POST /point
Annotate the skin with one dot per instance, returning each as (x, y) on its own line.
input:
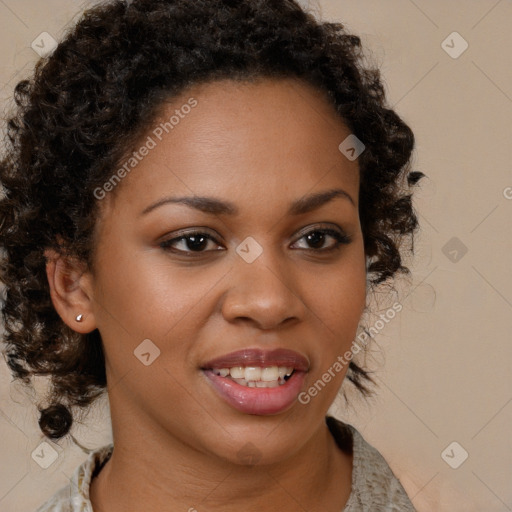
(260, 145)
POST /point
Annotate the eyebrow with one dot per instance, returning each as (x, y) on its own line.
(215, 206)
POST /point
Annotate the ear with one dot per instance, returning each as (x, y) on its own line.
(71, 291)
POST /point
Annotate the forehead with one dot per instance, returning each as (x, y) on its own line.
(225, 137)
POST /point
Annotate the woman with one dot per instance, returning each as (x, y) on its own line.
(199, 196)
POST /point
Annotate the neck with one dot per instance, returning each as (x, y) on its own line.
(158, 472)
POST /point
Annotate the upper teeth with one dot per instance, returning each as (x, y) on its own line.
(255, 373)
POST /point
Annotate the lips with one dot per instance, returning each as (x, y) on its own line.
(276, 378)
(261, 358)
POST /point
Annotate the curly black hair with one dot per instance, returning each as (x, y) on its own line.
(84, 106)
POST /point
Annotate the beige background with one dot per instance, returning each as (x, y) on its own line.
(444, 363)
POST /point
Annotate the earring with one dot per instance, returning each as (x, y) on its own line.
(79, 318)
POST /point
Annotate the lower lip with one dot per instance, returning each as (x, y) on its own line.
(263, 401)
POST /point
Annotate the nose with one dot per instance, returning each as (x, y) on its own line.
(264, 293)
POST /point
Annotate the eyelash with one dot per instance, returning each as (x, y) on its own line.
(341, 239)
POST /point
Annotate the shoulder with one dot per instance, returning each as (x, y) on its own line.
(374, 485)
(74, 497)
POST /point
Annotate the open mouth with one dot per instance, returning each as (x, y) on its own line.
(260, 382)
(257, 377)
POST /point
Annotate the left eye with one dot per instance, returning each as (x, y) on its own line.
(197, 242)
(318, 237)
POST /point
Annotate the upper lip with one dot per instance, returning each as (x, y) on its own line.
(258, 357)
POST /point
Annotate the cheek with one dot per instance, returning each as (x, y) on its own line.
(144, 293)
(147, 298)
(339, 296)
(340, 302)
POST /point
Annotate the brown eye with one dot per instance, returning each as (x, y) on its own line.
(194, 242)
(316, 239)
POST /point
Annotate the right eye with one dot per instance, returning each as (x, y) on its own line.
(192, 242)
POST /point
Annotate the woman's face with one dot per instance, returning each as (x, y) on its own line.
(259, 287)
